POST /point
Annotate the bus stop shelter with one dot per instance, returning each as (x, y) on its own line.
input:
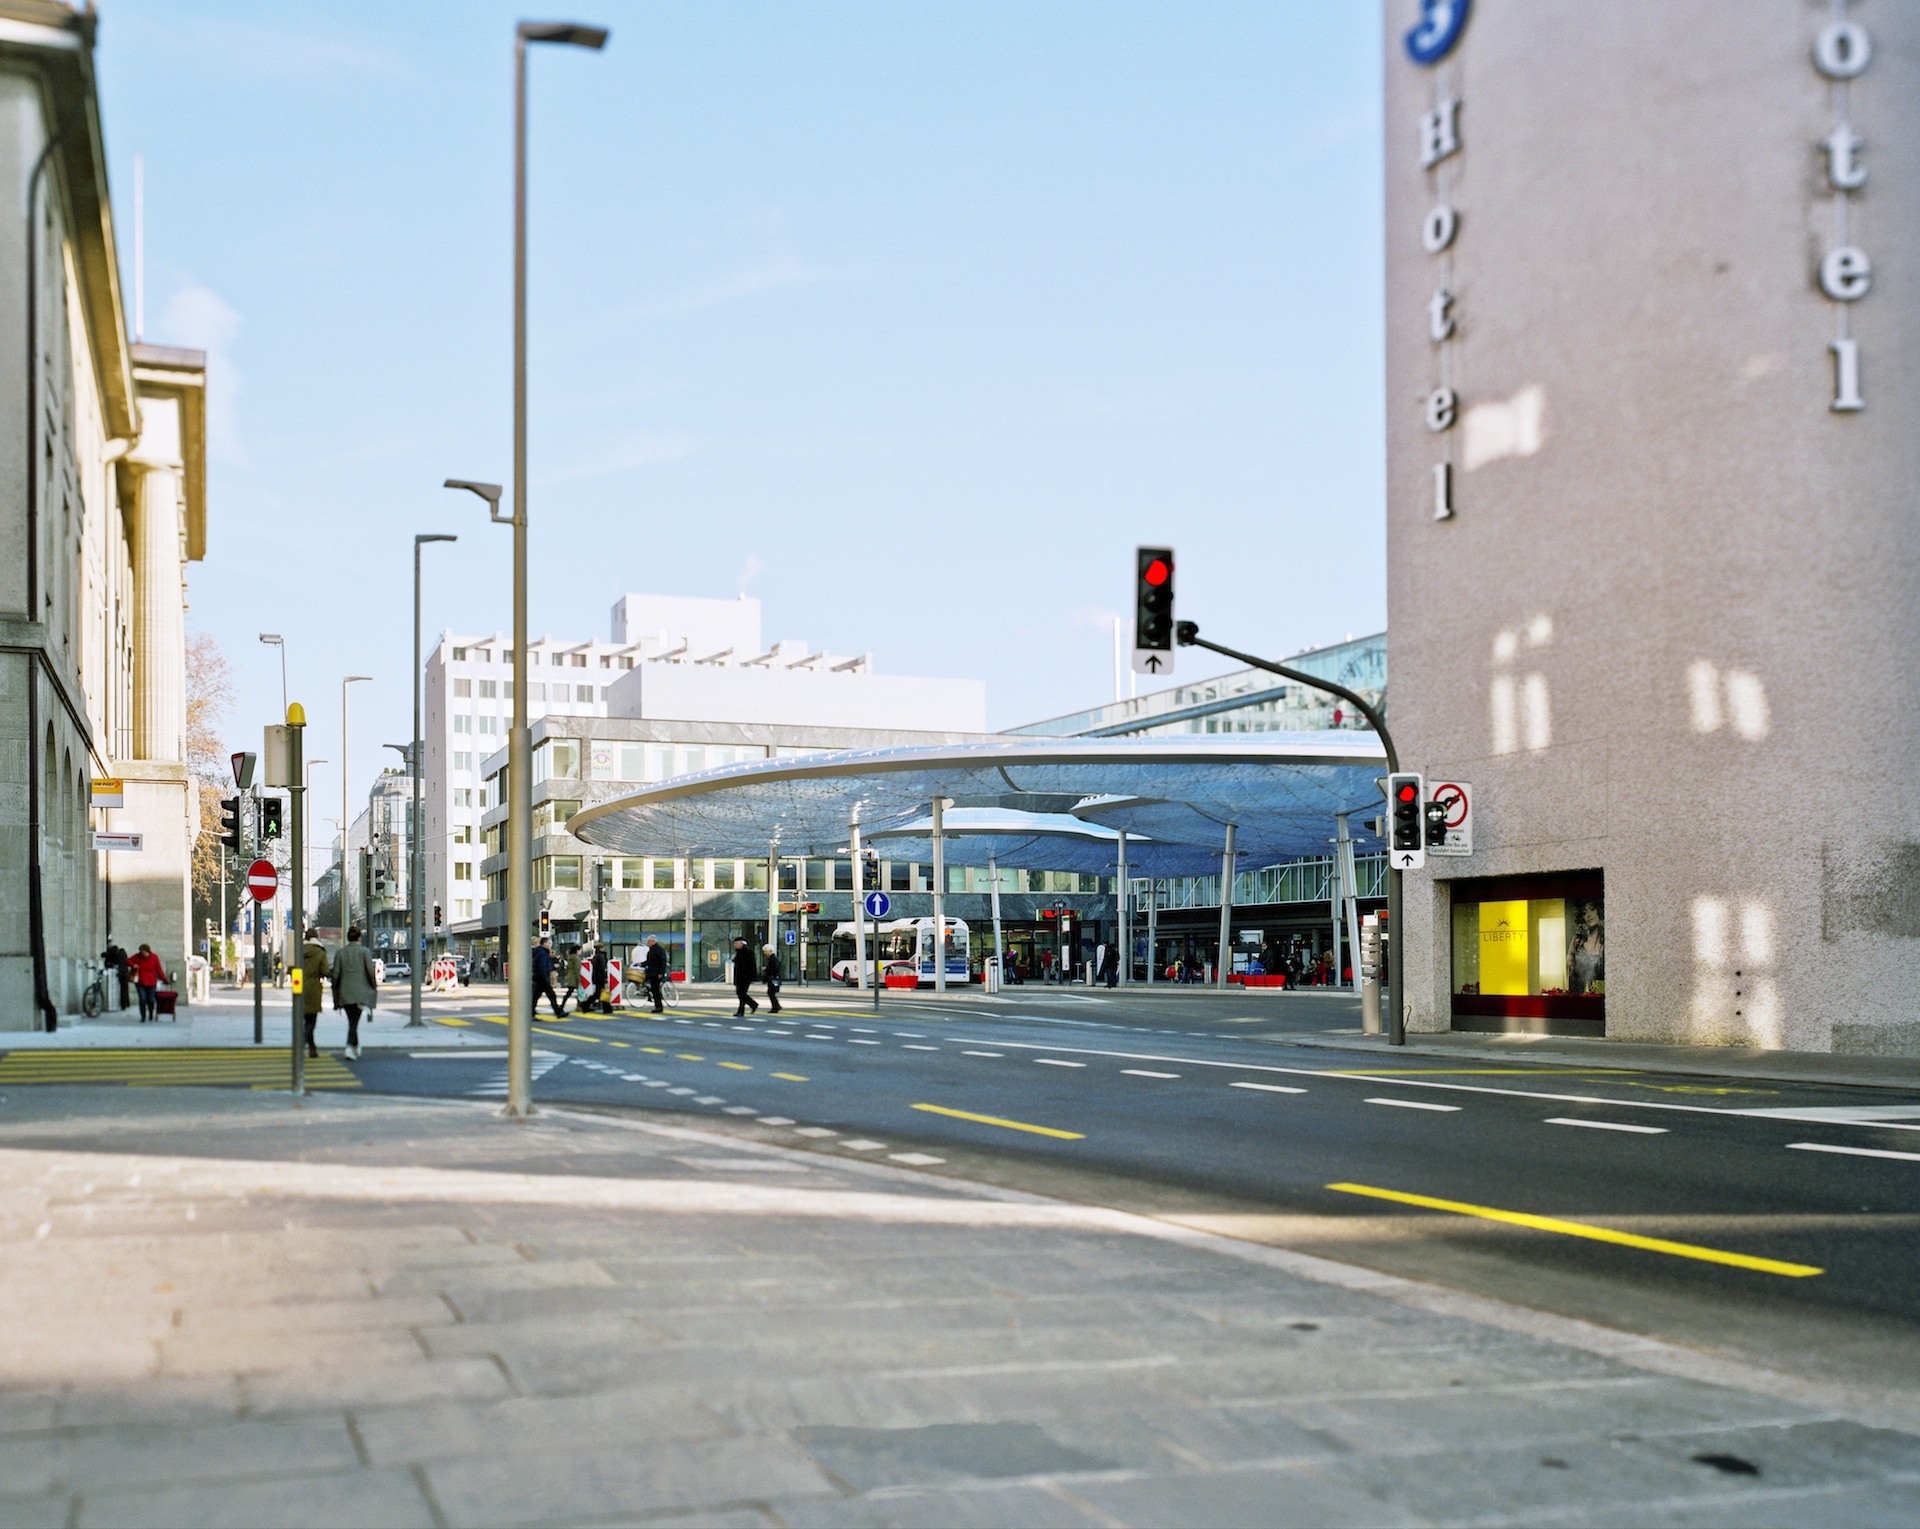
(1151, 806)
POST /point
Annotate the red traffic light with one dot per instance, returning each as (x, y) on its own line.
(1157, 572)
(1408, 791)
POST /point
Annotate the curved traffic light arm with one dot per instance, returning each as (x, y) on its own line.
(1187, 633)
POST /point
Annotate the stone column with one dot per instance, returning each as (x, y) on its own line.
(159, 683)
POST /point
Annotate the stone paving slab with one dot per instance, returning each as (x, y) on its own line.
(228, 1308)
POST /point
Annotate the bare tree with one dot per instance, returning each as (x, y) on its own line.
(209, 699)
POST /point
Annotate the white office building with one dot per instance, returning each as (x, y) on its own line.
(691, 684)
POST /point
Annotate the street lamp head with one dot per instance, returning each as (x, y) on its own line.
(354, 679)
(438, 536)
(490, 492)
(273, 638)
(571, 33)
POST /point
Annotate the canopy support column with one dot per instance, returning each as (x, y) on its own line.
(999, 944)
(1153, 928)
(939, 897)
(688, 956)
(1350, 879)
(1226, 913)
(1125, 953)
(859, 904)
(773, 904)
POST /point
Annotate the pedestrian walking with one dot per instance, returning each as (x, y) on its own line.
(771, 972)
(599, 971)
(313, 985)
(148, 974)
(654, 967)
(745, 970)
(116, 962)
(543, 978)
(356, 987)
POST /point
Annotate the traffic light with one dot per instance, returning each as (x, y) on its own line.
(436, 915)
(1153, 610)
(546, 924)
(1436, 824)
(601, 879)
(1406, 822)
(270, 821)
(230, 830)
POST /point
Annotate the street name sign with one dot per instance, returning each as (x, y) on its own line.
(263, 880)
(877, 904)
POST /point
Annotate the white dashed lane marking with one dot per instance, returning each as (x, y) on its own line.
(1418, 1104)
(1607, 1125)
(983, 1053)
(1047, 1061)
(1268, 1088)
(1821, 1146)
(919, 1048)
(1141, 1072)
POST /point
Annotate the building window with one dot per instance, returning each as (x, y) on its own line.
(579, 660)
(463, 687)
(463, 907)
(462, 724)
(723, 875)
(1529, 954)
(626, 663)
(633, 875)
(605, 662)
(463, 833)
(483, 655)
(583, 692)
(463, 870)
(842, 875)
(663, 879)
(458, 654)
(603, 760)
(489, 689)
(536, 692)
(900, 878)
(557, 756)
(756, 880)
(788, 876)
(490, 725)
(553, 814)
(566, 872)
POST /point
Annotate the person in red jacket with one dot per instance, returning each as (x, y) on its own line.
(148, 974)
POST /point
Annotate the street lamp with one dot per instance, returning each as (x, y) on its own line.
(516, 945)
(415, 890)
(346, 818)
(275, 640)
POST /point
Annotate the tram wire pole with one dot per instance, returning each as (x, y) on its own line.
(1187, 634)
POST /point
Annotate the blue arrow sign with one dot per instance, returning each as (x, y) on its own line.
(878, 904)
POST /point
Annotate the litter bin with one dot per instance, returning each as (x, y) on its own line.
(990, 975)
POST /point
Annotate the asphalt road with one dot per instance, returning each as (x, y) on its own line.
(1777, 1222)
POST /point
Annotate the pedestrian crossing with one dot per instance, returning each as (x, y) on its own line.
(496, 1087)
(175, 1067)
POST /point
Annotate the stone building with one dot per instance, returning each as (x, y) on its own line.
(1653, 444)
(102, 506)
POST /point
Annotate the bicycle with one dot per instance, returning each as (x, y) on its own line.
(94, 999)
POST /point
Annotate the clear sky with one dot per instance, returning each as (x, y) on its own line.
(909, 319)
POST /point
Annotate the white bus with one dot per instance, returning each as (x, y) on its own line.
(903, 945)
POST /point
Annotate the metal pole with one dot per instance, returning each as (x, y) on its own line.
(1124, 955)
(1336, 878)
(519, 755)
(1350, 879)
(296, 751)
(259, 1032)
(1189, 636)
(939, 897)
(773, 905)
(1226, 913)
(1153, 929)
(687, 958)
(415, 932)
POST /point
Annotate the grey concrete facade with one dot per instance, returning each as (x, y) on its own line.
(102, 506)
(1667, 629)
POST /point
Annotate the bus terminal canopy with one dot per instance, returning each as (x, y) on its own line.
(1173, 797)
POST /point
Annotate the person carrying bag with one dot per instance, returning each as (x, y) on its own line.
(356, 986)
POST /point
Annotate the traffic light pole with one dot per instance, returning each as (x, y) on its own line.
(259, 1034)
(1188, 635)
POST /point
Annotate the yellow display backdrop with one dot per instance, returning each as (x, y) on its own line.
(1503, 947)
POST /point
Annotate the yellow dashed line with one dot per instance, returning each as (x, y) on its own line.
(687, 1056)
(791, 1077)
(1581, 1229)
(995, 1120)
(737, 1066)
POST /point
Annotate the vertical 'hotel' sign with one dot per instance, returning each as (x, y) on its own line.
(1430, 41)
(1841, 52)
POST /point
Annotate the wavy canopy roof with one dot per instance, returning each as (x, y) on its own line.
(1280, 790)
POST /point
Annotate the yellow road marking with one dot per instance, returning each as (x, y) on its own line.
(737, 1066)
(995, 1120)
(687, 1056)
(1475, 1072)
(656, 1050)
(1581, 1229)
(443, 1019)
(623, 1045)
(791, 1077)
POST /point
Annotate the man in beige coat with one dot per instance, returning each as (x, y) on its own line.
(356, 986)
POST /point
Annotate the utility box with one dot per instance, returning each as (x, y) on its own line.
(1370, 964)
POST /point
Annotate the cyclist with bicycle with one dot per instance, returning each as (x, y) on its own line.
(655, 968)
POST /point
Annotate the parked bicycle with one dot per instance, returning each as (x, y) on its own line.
(93, 1001)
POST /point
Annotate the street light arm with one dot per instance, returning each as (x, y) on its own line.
(490, 492)
(572, 33)
(1189, 636)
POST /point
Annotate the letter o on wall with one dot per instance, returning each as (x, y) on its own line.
(1842, 50)
(1437, 231)
(1846, 273)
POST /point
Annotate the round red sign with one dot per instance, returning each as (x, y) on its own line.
(263, 880)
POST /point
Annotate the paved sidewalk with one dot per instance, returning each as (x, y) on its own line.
(223, 1308)
(227, 1020)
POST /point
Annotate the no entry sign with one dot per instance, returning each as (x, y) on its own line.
(263, 880)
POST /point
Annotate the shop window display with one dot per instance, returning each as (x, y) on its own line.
(1529, 954)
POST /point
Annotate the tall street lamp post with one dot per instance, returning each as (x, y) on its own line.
(346, 817)
(517, 944)
(275, 640)
(415, 879)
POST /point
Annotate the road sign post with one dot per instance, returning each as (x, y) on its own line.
(877, 904)
(259, 917)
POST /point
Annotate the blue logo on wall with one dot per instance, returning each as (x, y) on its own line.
(1441, 23)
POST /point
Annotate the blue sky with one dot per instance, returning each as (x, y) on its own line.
(913, 318)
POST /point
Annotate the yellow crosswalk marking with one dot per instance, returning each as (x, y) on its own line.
(266, 1067)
